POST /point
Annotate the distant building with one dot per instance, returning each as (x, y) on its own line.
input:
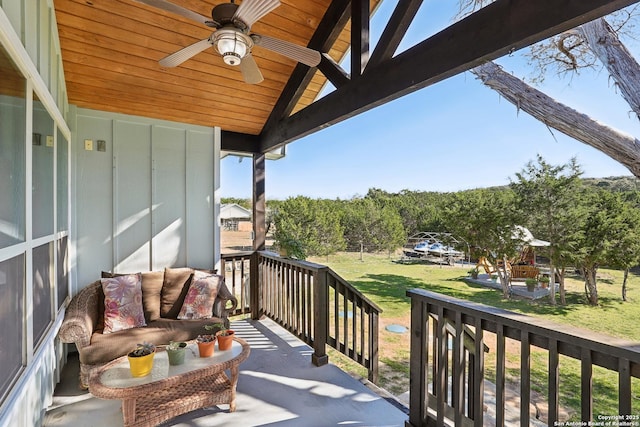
(234, 217)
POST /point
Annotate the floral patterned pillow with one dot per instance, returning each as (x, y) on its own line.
(122, 303)
(198, 304)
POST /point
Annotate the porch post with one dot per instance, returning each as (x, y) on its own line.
(259, 202)
(320, 318)
(259, 231)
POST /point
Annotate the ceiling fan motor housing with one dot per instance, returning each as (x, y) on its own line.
(223, 15)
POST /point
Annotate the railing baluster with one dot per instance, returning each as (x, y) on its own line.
(478, 380)
(458, 370)
(525, 378)
(554, 382)
(441, 378)
(500, 375)
(587, 385)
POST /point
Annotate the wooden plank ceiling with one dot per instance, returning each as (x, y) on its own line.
(111, 48)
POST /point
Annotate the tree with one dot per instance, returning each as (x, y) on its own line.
(368, 225)
(315, 224)
(547, 196)
(570, 51)
(485, 219)
(603, 231)
(625, 248)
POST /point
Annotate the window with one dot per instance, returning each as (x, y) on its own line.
(42, 162)
(42, 269)
(12, 153)
(11, 308)
(62, 178)
(62, 282)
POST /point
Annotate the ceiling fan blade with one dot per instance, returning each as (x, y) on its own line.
(188, 52)
(251, 11)
(250, 71)
(174, 8)
(296, 52)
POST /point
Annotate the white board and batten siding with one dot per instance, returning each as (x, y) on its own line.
(149, 200)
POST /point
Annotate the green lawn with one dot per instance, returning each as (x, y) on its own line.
(385, 282)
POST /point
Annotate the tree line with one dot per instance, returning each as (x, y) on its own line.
(588, 224)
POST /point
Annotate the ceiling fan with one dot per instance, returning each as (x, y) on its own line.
(232, 37)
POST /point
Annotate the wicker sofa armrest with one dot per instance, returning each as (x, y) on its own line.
(220, 308)
(81, 316)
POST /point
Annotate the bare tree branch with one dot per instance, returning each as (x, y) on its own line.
(618, 145)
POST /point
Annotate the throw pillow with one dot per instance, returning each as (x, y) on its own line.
(174, 289)
(122, 302)
(151, 288)
(198, 304)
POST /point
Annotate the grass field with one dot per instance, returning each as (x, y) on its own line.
(385, 282)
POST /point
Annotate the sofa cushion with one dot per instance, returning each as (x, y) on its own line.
(151, 288)
(198, 304)
(122, 303)
(174, 290)
(105, 348)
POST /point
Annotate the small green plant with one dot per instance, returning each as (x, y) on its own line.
(176, 345)
(473, 273)
(544, 279)
(206, 338)
(220, 327)
(143, 349)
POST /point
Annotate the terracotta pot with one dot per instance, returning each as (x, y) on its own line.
(141, 366)
(206, 348)
(225, 341)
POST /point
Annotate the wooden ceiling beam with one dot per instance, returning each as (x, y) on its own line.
(399, 22)
(239, 142)
(360, 27)
(333, 71)
(333, 21)
(495, 30)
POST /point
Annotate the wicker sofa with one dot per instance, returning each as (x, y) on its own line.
(163, 293)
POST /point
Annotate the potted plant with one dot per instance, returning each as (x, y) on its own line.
(206, 344)
(544, 281)
(494, 277)
(473, 273)
(141, 359)
(531, 284)
(176, 351)
(224, 335)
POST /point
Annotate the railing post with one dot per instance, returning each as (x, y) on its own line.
(254, 286)
(418, 365)
(320, 318)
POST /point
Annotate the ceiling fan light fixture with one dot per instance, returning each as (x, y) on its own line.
(232, 45)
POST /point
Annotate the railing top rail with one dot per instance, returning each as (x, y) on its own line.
(236, 254)
(305, 264)
(594, 341)
(362, 296)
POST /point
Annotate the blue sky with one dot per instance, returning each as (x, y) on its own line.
(454, 135)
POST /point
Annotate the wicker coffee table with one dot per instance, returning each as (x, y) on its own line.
(171, 390)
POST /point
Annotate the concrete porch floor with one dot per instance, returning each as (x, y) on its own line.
(278, 386)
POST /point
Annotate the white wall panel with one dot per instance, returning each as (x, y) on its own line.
(132, 198)
(160, 208)
(200, 200)
(93, 203)
(169, 198)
